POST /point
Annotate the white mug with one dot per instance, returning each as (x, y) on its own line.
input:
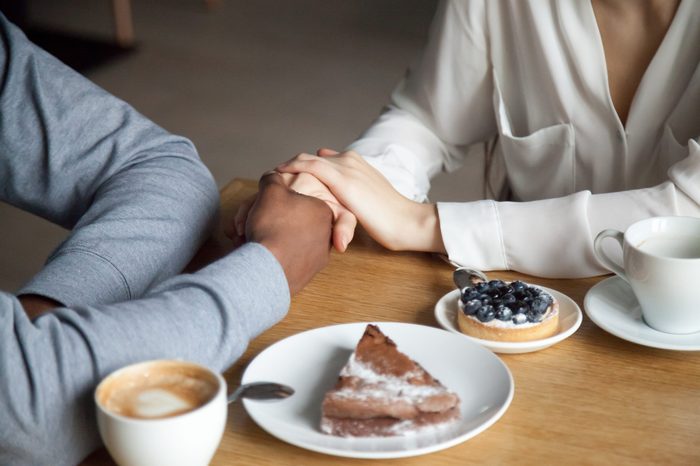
(144, 422)
(661, 257)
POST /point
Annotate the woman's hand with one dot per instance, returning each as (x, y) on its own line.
(344, 222)
(391, 219)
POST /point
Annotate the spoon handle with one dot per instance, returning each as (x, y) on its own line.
(465, 277)
(261, 391)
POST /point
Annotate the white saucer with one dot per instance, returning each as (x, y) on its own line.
(310, 362)
(613, 307)
(570, 317)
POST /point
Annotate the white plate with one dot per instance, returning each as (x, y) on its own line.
(613, 307)
(310, 363)
(570, 317)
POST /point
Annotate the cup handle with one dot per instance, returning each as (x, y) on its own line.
(602, 257)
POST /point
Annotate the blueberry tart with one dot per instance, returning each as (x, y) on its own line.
(502, 311)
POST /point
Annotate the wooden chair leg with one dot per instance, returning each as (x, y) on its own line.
(211, 4)
(123, 23)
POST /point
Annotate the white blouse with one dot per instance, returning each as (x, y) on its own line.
(528, 80)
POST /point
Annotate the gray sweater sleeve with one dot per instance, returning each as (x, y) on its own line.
(50, 367)
(138, 200)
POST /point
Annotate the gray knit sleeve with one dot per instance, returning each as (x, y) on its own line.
(138, 200)
(50, 367)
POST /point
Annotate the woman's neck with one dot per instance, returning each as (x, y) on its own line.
(631, 31)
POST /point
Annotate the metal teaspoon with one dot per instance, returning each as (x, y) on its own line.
(465, 277)
(261, 391)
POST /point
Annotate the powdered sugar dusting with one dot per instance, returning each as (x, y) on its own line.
(384, 386)
(409, 427)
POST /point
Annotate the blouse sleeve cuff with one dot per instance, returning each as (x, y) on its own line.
(471, 233)
(686, 173)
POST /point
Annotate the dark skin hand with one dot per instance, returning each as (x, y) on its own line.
(294, 227)
(35, 305)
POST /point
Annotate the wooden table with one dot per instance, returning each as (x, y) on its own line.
(591, 399)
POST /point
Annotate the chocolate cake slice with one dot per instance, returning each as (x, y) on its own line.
(382, 392)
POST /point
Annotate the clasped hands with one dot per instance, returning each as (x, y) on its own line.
(354, 191)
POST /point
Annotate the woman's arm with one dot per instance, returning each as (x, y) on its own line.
(393, 220)
(550, 237)
(442, 107)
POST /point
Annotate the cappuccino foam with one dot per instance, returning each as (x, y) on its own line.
(158, 390)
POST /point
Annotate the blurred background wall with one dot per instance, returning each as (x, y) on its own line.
(250, 82)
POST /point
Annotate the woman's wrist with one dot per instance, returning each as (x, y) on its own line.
(425, 235)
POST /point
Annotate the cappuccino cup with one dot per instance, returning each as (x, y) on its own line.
(661, 263)
(162, 412)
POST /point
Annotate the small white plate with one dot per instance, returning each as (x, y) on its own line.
(570, 317)
(310, 362)
(613, 307)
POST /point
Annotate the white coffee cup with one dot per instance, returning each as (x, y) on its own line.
(162, 412)
(661, 257)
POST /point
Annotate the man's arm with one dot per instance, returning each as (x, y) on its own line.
(51, 365)
(137, 199)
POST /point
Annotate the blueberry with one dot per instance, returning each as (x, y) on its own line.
(547, 297)
(503, 313)
(519, 319)
(482, 287)
(469, 294)
(486, 313)
(534, 317)
(513, 306)
(507, 289)
(497, 284)
(521, 309)
(485, 299)
(508, 299)
(471, 306)
(539, 305)
(518, 286)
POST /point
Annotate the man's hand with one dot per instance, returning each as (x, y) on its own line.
(344, 221)
(35, 305)
(294, 227)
